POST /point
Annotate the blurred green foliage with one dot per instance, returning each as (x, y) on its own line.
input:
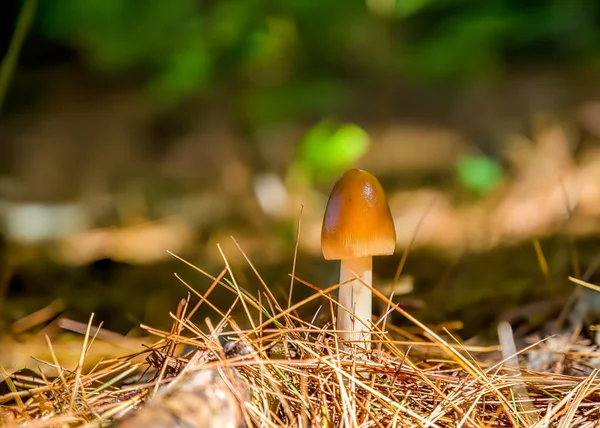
(291, 57)
(330, 148)
(478, 174)
(166, 40)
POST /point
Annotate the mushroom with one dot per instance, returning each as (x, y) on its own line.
(357, 225)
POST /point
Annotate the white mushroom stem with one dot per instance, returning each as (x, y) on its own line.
(355, 300)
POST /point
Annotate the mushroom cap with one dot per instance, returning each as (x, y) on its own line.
(358, 221)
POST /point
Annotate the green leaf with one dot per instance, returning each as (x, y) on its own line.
(329, 148)
(478, 173)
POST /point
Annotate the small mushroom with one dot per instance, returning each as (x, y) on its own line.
(358, 225)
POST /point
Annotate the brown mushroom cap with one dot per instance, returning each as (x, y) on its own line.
(358, 221)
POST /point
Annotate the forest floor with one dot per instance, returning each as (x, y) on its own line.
(467, 266)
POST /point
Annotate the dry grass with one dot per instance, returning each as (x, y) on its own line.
(287, 371)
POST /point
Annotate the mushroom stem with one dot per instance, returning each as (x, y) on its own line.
(356, 300)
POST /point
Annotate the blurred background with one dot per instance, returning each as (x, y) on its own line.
(129, 128)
